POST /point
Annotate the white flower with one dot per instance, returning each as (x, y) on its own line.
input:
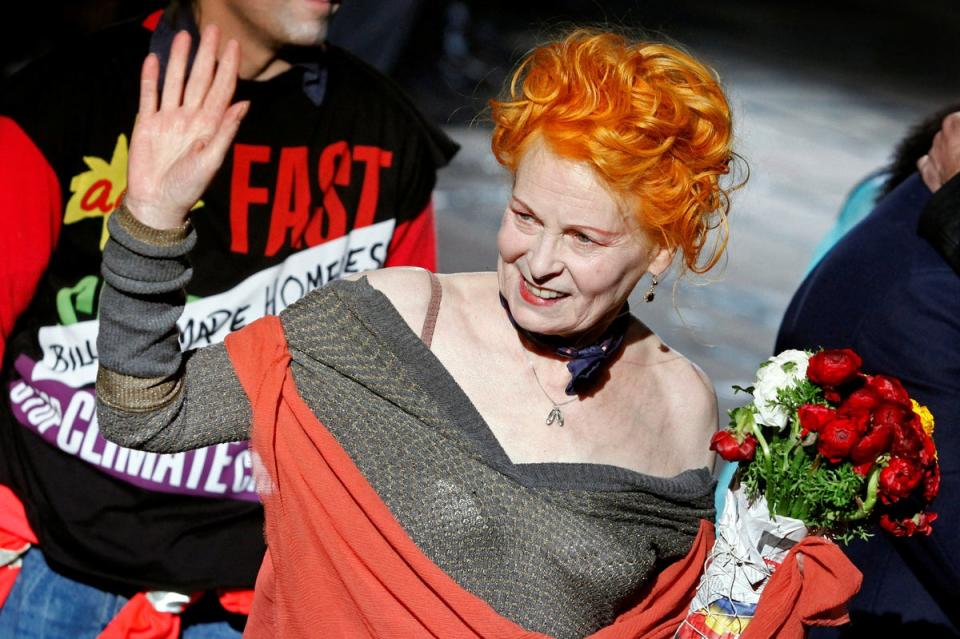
(785, 370)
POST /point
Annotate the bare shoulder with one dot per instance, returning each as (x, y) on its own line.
(692, 394)
(407, 288)
(688, 402)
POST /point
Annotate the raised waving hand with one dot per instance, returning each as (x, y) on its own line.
(182, 134)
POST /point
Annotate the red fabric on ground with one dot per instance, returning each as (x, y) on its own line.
(13, 519)
(138, 619)
(236, 601)
(15, 536)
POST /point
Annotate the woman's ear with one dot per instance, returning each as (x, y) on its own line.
(661, 259)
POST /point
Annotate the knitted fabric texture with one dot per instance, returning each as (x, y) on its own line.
(560, 549)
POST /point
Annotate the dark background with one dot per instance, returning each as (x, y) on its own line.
(456, 53)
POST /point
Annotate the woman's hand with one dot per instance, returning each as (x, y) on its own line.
(943, 161)
(178, 145)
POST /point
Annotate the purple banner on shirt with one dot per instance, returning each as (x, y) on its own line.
(66, 418)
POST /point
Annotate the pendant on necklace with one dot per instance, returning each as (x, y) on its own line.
(556, 415)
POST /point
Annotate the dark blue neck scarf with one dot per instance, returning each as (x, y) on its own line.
(585, 361)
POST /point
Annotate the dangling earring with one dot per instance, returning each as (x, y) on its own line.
(652, 291)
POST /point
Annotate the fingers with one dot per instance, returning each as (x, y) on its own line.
(201, 73)
(951, 124)
(149, 75)
(929, 173)
(214, 152)
(224, 82)
(942, 162)
(176, 69)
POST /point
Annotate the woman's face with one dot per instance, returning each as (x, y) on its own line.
(568, 257)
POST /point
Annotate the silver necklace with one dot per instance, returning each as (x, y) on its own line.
(555, 414)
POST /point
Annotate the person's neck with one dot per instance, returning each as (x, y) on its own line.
(259, 55)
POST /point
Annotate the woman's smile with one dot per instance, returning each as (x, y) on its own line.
(539, 296)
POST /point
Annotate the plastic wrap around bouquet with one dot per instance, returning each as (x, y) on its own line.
(825, 451)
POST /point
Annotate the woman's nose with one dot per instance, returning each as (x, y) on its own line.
(543, 258)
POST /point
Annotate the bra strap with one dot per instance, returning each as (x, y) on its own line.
(430, 321)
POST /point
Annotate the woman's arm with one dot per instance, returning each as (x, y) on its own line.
(150, 396)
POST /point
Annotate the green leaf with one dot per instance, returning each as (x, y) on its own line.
(741, 420)
(823, 496)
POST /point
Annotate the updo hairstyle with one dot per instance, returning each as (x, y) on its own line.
(652, 122)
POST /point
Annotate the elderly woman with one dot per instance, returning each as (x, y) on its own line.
(497, 454)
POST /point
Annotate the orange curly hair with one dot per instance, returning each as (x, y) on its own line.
(652, 121)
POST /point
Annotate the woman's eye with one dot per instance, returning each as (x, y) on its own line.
(526, 218)
(582, 239)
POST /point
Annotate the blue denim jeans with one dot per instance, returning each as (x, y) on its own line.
(46, 605)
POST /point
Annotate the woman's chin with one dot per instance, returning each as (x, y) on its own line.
(530, 320)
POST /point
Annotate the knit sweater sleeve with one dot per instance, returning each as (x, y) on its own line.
(150, 395)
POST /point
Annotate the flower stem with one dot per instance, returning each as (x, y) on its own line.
(770, 491)
(760, 439)
(873, 483)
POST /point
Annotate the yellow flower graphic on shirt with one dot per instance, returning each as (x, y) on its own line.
(97, 192)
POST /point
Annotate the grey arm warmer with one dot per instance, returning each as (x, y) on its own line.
(151, 396)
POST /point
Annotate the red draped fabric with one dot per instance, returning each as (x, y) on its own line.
(340, 565)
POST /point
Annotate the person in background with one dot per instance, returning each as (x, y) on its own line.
(877, 185)
(890, 290)
(331, 173)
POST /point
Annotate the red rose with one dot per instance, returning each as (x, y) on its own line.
(923, 521)
(918, 524)
(898, 480)
(889, 388)
(931, 483)
(833, 367)
(873, 444)
(813, 417)
(727, 446)
(860, 420)
(909, 440)
(864, 398)
(928, 455)
(890, 413)
(837, 438)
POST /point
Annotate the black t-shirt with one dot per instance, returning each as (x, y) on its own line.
(308, 192)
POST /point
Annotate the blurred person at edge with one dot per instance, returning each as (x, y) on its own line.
(331, 173)
(890, 289)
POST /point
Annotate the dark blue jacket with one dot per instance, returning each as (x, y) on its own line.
(885, 292)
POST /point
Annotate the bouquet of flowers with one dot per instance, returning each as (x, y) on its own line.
(823, 449)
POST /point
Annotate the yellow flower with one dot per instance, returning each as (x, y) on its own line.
(926, 417)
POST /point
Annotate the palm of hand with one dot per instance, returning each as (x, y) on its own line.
(178, 145)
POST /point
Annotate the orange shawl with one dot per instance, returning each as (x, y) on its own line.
(339, 564)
